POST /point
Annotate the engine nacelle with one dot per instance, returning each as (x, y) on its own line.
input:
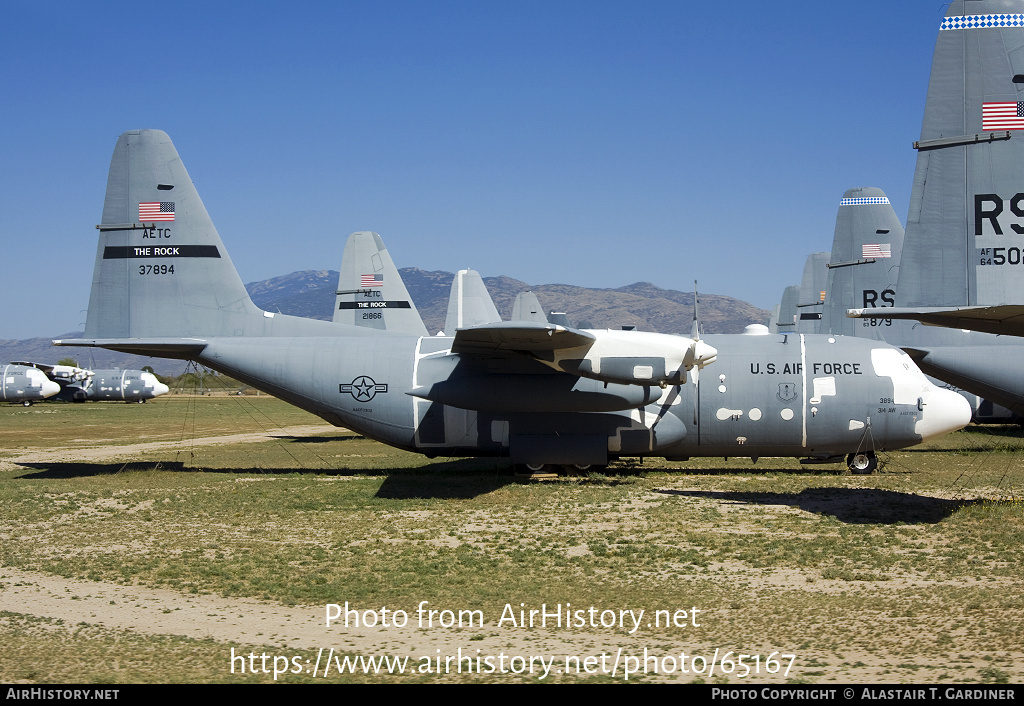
(634, 358)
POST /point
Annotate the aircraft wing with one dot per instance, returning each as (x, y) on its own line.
(627, 357)
(1007, 319)
(523, 336)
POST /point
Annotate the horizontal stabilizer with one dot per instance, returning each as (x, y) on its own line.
(1003, 319)
(184, 348)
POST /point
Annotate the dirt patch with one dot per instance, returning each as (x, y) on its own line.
(125, 451)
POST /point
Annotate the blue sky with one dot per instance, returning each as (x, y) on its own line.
(590, 143)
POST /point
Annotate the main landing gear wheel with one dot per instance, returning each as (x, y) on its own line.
(862, 462)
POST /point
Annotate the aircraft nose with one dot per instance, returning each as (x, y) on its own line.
(50, 388)
(944, 411)
(160, 389)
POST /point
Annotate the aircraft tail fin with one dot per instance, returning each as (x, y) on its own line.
(812, 292)
(786, 321)
(527, 307)
(865, 259)
(773, 319)
(469, 303)
(371, 292)
(965, 229)
(161, 268)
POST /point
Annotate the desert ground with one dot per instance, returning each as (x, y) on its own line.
(209, 539)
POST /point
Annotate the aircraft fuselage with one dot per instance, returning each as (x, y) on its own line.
(797, 395)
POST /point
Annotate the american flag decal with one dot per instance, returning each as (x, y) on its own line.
(156, 211)
(371, 280)
(876, 250)
(1002, 116)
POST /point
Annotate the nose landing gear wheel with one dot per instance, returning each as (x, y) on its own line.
(862, 463)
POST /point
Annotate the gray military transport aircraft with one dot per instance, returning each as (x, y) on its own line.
(812, 293)
(537, 393)
(963, 253)
(81, 385)
(25, 384)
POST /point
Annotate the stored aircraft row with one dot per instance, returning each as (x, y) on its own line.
(28, 382)
(964, 249)
(537, 392)
(862, 270)
(959, 263)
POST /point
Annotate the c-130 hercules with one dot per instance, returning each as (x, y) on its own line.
(537, 393)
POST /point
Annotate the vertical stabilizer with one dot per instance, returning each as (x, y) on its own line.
(965, 229)
(812, 292)
(469, 303)
(371, 293)
(527, 307)
(161, 268)
(787, 318)
(865, 260)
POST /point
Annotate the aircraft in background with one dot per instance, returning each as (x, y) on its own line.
(863, 270)
(81, 385)
(469, 303)
(25, 384)
(963, 264)
(538, 393)
(784, 315)
(371, 294)
(963, 251)
(812, 293)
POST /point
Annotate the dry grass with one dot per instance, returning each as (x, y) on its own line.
(911, 575)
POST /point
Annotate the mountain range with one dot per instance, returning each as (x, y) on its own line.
(311, 293)
(649, 308)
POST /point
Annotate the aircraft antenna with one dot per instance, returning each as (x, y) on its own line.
(695, 335)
